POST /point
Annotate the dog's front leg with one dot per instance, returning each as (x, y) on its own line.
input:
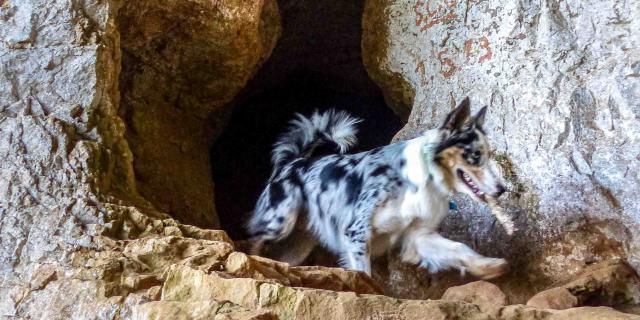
(436, 253)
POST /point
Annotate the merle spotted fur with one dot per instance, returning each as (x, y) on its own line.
(359, 205)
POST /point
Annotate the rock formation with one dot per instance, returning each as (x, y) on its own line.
(108, 108)
(561, 82)
(183, 61)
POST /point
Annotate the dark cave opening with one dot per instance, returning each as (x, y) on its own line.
(316, 65)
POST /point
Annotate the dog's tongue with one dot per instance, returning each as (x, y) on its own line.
(498, 212)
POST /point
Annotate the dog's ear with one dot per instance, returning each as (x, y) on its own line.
(456, 118)
(478, 119)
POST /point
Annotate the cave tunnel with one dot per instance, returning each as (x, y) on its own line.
(316, 65)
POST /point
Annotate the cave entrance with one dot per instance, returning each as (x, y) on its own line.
(316, 65)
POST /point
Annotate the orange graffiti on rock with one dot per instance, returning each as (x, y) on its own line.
(449, 68)
(427, 17)
(483, 46)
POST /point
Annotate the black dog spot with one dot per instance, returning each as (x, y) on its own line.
(276, 193)
(331, 173)
(353, 187)
(379, 170)
(460, 139)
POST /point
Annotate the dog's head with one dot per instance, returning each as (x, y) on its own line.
(463, 155)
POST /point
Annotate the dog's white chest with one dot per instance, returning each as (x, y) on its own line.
(421, 205)
(418, 207)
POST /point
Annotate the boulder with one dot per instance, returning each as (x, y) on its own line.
(522, 312)
(603, 284)
(606, 284)
(482, 293)
(555, 298)
(182, 63)
(337, 279)
(561, 82)
(196, 311)
(71, 76)
(185, 284)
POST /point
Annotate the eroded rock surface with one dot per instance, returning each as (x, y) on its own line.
(556, 298)
(561, 82)
(68, 192)
(485, 294)
(182, 62)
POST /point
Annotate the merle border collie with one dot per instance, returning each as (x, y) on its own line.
(360, 205)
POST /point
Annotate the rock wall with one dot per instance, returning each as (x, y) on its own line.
(561, 79)
(183, 61)
(61, 142)
(68, 189)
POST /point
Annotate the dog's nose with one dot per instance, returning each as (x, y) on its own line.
(500, 190)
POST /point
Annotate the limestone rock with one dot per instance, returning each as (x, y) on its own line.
(336, 279)
(560, 80)
(485, 294)
(592, 313)
(522, 312)
(156, 254)
(196, 311)
(189, 285)
(555, 298)
(606, 284)
(182, 62)
(68, 192)
(603, 284)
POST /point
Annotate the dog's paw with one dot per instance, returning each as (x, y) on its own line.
(488, 268)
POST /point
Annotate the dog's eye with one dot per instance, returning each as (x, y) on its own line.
(476, 154)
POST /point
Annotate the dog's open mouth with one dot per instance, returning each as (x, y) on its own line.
(472, 185)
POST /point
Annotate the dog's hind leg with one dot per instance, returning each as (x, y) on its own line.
(274, 222)
(355, 253)
(436, 253)
(296, 247)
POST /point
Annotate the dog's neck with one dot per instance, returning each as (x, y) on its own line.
(421, 169)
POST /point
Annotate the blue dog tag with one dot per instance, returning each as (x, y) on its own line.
(453, 205)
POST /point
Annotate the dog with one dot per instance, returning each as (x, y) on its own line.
(360, 205)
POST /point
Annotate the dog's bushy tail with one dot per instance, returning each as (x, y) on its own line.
(332, 128)
(278, 207)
